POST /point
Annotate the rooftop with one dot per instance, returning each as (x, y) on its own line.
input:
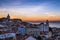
(7, 35)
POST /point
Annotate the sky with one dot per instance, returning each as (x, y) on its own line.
(31, 10)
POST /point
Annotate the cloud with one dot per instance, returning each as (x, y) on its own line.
(26, 10)
(50, 14)
(12, 3)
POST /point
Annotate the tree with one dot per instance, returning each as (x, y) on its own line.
(39, 38)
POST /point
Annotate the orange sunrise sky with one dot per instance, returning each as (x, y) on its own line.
(31, 10)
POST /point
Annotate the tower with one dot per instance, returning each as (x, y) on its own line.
(47, 23)
(8, 17)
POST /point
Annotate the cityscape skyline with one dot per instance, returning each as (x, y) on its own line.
(31, 10)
